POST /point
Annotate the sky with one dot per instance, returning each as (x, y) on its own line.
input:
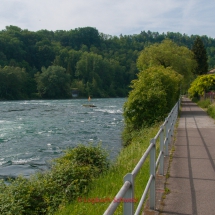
(113, 17)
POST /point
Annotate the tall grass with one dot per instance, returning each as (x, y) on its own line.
(204, 103)
(211, 110)
(209, 106)
(104, 188)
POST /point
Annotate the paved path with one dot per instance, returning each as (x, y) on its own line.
(192, 171)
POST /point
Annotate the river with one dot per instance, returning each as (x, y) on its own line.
(34, 132)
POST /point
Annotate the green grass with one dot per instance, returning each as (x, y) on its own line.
(82, 175)
(105, 187)
(204, 103)
(211, 110)
(208, 106)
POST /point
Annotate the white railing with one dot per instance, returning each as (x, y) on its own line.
(126, 193)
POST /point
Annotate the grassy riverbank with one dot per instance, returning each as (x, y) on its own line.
(77, 179)
(104, 188)
(44, 193)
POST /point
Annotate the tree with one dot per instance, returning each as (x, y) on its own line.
(13, 82)
(88, 65)
(53, 82)
(169, 54)
(200, 56)
(152, 96)
(93, 70)
(45, 53)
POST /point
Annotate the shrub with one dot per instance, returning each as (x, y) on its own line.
(69, 177)
(153, 95)
(202, 84)
(204, 103)
(211, 110)
(107, 185)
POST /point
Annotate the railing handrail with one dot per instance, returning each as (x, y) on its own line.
(127, 190)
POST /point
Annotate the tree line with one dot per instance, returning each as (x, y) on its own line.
(47, 64)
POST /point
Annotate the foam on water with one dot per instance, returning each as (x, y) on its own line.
(24, 161)
(41, 130)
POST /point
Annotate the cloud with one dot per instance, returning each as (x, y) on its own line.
(198, 17)
(111, 16)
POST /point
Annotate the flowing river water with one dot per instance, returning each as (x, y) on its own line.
(36, 131)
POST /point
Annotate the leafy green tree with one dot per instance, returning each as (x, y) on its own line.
(53, 82)
(92, 69)
(68, 59)
(152, 96)
(80, 36)
(211, 57)
(89, 65)
(169, 54)
(200, 56)
(13, 83)
(80, 86)
(45, 53)
(202, 84)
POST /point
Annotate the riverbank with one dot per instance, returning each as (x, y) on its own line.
(80, 182)
(43, 193)
(104, 188)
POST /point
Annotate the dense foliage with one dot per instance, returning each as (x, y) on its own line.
(200, 56)
(202, 84)
(69, 178)
(53, 82)
(169, 54)
(99, 65)
(153, 95)
(163, 69)
(13, 82)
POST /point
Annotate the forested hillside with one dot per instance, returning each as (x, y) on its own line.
(47, 64)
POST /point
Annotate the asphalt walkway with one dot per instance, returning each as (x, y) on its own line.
(192, 171)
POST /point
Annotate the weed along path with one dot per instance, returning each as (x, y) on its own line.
(192, 171)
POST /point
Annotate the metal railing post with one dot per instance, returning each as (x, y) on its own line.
(174, 117)
(128, 200)
(152, 172)
(167, 137)
(161, 169)
(171, 127)
(179, 104)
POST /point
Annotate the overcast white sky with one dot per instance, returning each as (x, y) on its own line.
(112, 17)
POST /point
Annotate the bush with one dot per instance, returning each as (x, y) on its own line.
(69, 177)
(204, 103)
(107, 185)
(211, 110)
(153, 95)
